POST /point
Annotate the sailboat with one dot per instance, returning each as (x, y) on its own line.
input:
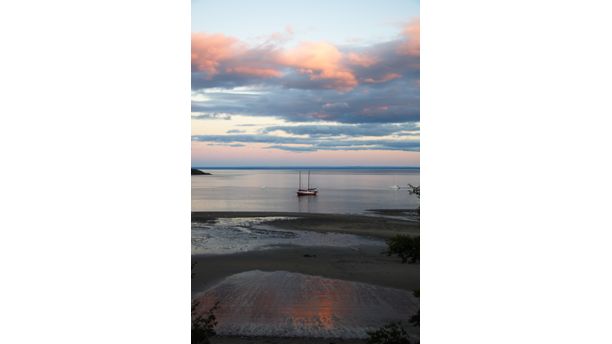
(308, 191)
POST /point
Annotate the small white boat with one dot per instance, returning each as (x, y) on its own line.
(308, 191)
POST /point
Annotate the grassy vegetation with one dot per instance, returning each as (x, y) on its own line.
(415, 320)
(393, 333)
(202, 325)
(415, 190)
(405, 246)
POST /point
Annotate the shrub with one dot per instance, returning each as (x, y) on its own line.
(392, 333)
(415, 190)
(415, 320)
(405, 246)
(202, 326)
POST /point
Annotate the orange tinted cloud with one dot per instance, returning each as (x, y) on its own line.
(412, 42)
(254, 71)
(360, 59)
(321, 61)
(384, 78)
(217, 55)
(209, 50)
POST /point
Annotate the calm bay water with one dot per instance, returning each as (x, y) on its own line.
(340, 191)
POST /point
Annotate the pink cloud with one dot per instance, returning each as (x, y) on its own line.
(209, 50)
(384, 78)
(321, 61)
(362, 60)
(324, 64)
(254, 71)
(411, 34)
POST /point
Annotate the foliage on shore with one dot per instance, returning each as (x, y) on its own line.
(405, 246)
(202, 325)
(415, 190)
(392, 333)
(415, 320)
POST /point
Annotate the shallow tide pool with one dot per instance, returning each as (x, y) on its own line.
(234, 235)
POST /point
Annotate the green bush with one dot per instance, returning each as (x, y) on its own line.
(415, 320)
(202, 326)
(406, 247)
(415, 190)
(392, 333)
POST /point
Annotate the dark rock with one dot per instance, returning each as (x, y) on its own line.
(198, 172)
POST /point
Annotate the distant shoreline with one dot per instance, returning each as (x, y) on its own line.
(198, 172)
(308, 167)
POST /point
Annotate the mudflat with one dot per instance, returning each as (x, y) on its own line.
(375, 226)
(362, 264)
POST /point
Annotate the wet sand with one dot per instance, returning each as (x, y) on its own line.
(374, 226)
(365, 264)
(280, 303)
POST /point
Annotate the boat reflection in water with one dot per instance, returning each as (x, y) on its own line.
(280, 303)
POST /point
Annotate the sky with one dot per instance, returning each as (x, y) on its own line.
(305, 83)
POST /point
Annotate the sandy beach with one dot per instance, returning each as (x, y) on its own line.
(365, 264)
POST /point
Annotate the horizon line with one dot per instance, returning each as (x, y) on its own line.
(305, 166)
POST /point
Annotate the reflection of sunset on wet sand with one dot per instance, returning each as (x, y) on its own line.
(257, 303)
(321, 308)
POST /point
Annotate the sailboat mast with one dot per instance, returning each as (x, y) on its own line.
(308, 179)
(300, 186)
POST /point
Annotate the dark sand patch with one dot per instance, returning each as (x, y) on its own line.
(366, 264)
